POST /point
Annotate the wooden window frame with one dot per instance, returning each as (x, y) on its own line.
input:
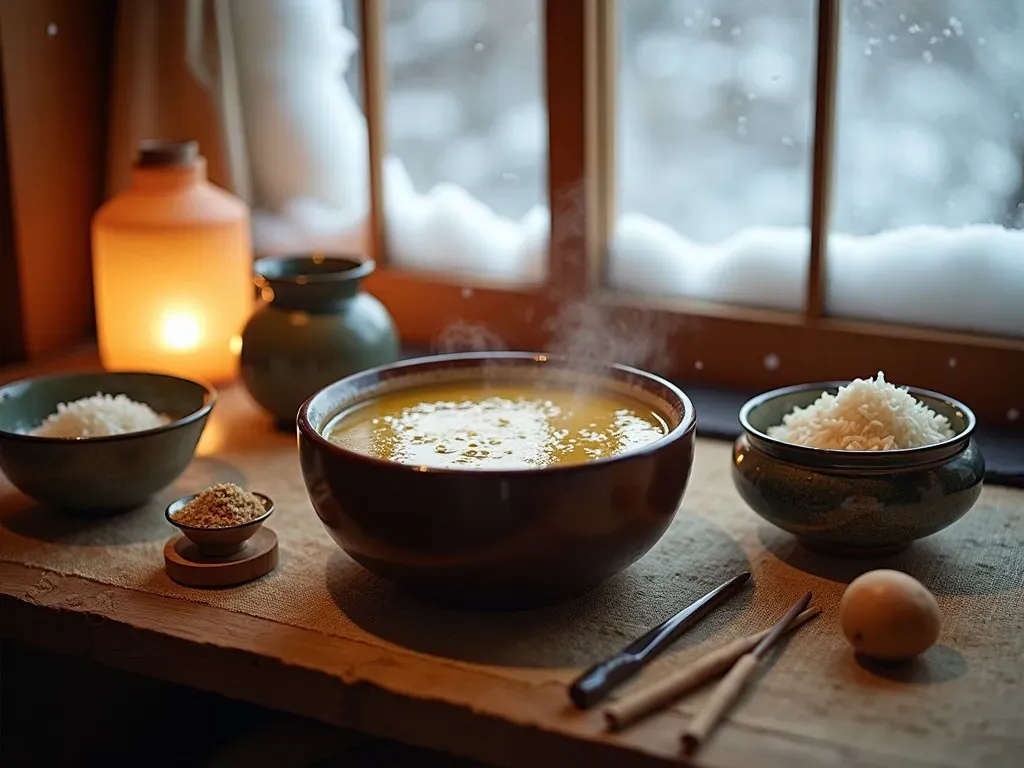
(708, 343)
(12, 340)
(54, 92)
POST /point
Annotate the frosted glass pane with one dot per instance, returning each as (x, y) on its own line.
(929, 193)
(713, 145)
(465, 181)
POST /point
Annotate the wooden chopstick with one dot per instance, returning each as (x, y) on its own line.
(732, 685)
(635, 706)
(599, 680)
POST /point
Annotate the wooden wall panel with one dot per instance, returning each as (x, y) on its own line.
(12, 340)
(55, 57)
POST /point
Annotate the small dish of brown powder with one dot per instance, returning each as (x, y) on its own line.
(221, 506)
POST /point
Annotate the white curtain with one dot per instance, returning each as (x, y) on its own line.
(156, 93)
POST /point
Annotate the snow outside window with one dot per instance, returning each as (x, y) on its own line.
(713, 142)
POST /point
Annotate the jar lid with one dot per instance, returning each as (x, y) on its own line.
(157, 153)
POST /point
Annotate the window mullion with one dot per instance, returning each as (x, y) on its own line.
(829, 12)
(372, 15)
(602, 66)
(570, 191)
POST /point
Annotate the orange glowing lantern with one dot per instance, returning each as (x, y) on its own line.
(172, 269)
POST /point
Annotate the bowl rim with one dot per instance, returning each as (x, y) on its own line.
(687, 424)
(361, 267)
(209, 400)
(268, 506)
(840, 456)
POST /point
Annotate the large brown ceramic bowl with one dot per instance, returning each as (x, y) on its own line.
(497, 538)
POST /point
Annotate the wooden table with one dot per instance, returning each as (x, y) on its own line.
(321, 638)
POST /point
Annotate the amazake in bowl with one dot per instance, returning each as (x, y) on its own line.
(219, 542)
(100, 474)
(855, 503)
(497, 538)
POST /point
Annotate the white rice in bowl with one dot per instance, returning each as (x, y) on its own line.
(865, 415)
(100, 415)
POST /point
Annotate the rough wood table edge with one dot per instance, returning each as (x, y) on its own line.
(350, 684)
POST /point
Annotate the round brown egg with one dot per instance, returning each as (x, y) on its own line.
(889, 615)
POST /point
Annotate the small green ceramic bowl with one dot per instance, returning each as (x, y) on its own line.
(855, 503)
(99, 474)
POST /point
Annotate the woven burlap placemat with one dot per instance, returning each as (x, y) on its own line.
(964, 698)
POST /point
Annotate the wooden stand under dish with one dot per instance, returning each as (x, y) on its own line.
(190, 567)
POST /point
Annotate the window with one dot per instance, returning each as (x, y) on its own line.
(717, 189)
(463, 128)
(713, 127)
(929, 191)
(464, 179)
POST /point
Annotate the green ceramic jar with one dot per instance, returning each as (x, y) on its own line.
(315, 327)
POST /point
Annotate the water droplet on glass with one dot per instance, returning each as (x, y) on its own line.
(787, 141)
(467, 293)
(952, 362)
(716, 22)
(772, 361)
(478, 47)
(1013, 414)
(735, 31)
(51, 29)
(699, 365)
(982, 41)
(928, 57)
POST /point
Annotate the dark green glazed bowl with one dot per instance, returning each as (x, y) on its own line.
(99, 474)
(855, 503)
